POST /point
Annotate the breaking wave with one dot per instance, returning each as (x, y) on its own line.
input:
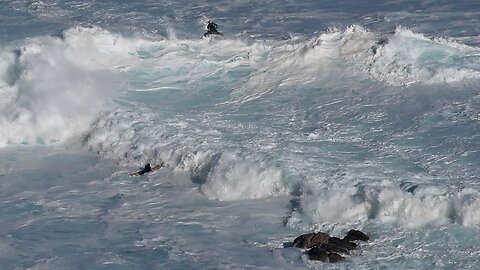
(411, 205)
(47, 82)
(52, 86)
(405, 57)
(140, 100)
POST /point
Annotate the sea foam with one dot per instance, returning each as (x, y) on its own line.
(52, 86)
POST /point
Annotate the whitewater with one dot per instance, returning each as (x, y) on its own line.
(305, 116)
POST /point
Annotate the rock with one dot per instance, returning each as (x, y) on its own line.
(318, 254)
(334, 257)
(342, 243)
(310, 240)
(303, 241)
(353, 235)
(324, 248)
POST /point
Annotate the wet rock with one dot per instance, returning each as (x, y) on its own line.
(353, 235)
(310, 240)
(323, 247)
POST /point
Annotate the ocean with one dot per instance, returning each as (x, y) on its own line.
(305, 116)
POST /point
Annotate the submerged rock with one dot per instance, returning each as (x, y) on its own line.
(310, 240)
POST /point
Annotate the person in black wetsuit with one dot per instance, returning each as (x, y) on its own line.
(146, 169)
(212, 29)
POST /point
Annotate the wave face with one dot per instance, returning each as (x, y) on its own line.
(406, 57)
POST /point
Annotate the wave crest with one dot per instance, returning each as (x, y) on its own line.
(405, 57)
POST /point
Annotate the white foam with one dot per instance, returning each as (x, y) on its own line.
(52, 87)
(136, 136)
(426, 206)
(234, 179)
(401, 58)
(278, 65)
(407, 57)
(46, 86)
(222, 175)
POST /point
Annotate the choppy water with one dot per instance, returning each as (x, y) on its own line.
(305, 115)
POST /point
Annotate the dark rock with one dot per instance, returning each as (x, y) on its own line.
(315, 250)
(334, 257)
(353, 235)
(310, 240)
(324, 248)
(318, 254)
(320, 237)
(342, 243)
(303, 241)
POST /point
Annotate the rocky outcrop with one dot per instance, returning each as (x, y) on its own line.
(323, 247)
(310, 240)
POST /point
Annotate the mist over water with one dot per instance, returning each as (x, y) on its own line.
(313, 117)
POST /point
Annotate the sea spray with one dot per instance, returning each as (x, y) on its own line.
(52, 86)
